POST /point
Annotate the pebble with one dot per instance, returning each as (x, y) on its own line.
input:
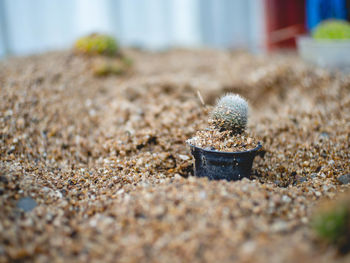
(184, 157)
(344, 179)
(3, 179)
(286, 199)
(279, 226)
(27, 204)
(324, 135)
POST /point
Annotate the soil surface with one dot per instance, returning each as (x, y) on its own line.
(97, 168)
(223, 141)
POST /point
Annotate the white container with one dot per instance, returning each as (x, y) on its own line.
(331, 54)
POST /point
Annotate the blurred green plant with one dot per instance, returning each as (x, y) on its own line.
(97, 44)
(114, 62)
(332, 29)
(331, 223)
(115, 67)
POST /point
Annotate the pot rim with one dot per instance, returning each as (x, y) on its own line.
(220, 152)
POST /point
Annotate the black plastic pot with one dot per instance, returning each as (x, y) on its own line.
(217, 165)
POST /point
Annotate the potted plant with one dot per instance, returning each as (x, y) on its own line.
(225, 150)
(328, 45)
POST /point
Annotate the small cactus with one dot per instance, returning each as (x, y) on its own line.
(230, 113)
(332, 29)
(331, 223)
(97, 44)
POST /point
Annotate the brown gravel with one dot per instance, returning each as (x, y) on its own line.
(224, 141)
(104, 160)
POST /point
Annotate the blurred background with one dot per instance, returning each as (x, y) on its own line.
(35, 26)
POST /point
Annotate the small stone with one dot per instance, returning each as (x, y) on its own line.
(302, 179)
(278, 182)
(344, 179)
(202, 195)
(27, 204)
(331, 162)
(209, 148)
(305, 220)
(279, 226)
(11, 150)
(3, 179)
(322, 175)
(324, 135)
(184, 157)
(249, 247)
(286, 199)
(177, 177)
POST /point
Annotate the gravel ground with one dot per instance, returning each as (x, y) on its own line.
(97, 169)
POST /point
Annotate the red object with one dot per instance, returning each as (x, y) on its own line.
(285, 19)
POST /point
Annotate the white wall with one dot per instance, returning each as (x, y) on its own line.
(31, 26)
(3, 44)
(155, 24)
